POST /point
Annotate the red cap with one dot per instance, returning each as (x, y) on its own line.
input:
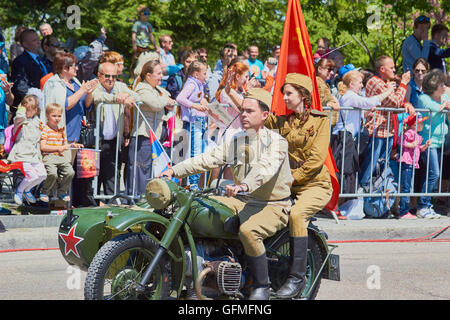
(411, 120)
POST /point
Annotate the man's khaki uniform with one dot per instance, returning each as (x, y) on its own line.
(308, 136)
(258, 159)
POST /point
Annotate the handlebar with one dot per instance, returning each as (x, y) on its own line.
(219, 191)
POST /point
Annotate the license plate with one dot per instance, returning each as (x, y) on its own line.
(334, 272)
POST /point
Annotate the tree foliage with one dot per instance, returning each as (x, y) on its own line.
(375, 27)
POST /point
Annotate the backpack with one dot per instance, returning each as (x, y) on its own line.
(10, 137)
(384, 183)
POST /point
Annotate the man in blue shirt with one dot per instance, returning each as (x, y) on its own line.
(256, 66)
(436, 55)
(412, 48)
(4, 63)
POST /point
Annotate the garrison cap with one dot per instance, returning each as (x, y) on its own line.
(299, 79)
(261, 95)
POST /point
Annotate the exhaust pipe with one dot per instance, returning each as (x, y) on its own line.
(199, 283)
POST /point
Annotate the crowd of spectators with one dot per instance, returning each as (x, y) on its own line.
(50, 94)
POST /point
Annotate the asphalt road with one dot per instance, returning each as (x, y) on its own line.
(391, 271)
(379, 271)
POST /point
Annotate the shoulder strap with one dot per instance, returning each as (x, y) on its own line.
(179, 80)
(318, 113)
(16, 133)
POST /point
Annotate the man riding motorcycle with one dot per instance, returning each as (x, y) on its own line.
(258, 158)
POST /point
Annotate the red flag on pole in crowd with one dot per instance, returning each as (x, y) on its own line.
(5, 167)
(296, 57)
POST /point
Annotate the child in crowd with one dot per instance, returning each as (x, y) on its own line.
(142, 34)
(437, 55)
(53, 144)
(193, 111)
(350, 90)
(26, 148)
(411, 149)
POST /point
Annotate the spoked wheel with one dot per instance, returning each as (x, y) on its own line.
(278, 259)
(118, 267)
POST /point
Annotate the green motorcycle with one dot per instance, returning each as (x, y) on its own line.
(178, 244)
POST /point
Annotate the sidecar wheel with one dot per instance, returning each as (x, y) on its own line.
(118, 266)
(279, 264)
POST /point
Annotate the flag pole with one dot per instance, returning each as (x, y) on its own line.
(336, 49)
(146, 122)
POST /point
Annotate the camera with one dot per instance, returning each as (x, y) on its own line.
(272, 61)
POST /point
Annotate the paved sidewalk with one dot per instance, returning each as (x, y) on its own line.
(40, 231)
(376, 229)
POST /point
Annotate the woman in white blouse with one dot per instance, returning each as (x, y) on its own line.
(350, 88)
(344, 148)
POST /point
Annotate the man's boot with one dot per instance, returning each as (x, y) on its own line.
(259, 271)
(298, 248)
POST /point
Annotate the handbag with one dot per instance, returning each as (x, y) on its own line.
(88, 163)
(87, 134)
(10, 137)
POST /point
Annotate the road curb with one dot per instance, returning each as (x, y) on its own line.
(29, 238)
(387, 229)
(30, 221)
(33, 232)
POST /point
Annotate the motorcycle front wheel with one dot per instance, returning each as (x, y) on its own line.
(278, 259)
(118, 266)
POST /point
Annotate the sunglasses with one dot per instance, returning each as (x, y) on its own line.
(146, 13)
(109, 76)
(420, 71)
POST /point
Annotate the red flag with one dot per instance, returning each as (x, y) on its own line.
(296, 56)
(5, 167)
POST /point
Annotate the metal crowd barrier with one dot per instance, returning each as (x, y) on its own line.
(117, 187)
(357, 140)
(371, 193)
(387, 159)
(138, 115)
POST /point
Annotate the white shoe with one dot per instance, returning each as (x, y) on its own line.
(434, 214)
(425, 213)
(18, 198)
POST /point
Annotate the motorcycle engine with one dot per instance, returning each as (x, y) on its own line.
(228, 275)
(225, 274)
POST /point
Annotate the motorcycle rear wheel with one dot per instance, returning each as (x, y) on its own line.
(118, 266)
(279, 265)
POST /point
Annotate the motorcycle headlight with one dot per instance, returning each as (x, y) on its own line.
(159, 193)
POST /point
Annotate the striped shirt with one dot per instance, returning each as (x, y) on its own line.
(396, 99)
(53, 138)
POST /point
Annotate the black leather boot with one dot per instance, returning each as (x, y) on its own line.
(298, 248)
(259, 271)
